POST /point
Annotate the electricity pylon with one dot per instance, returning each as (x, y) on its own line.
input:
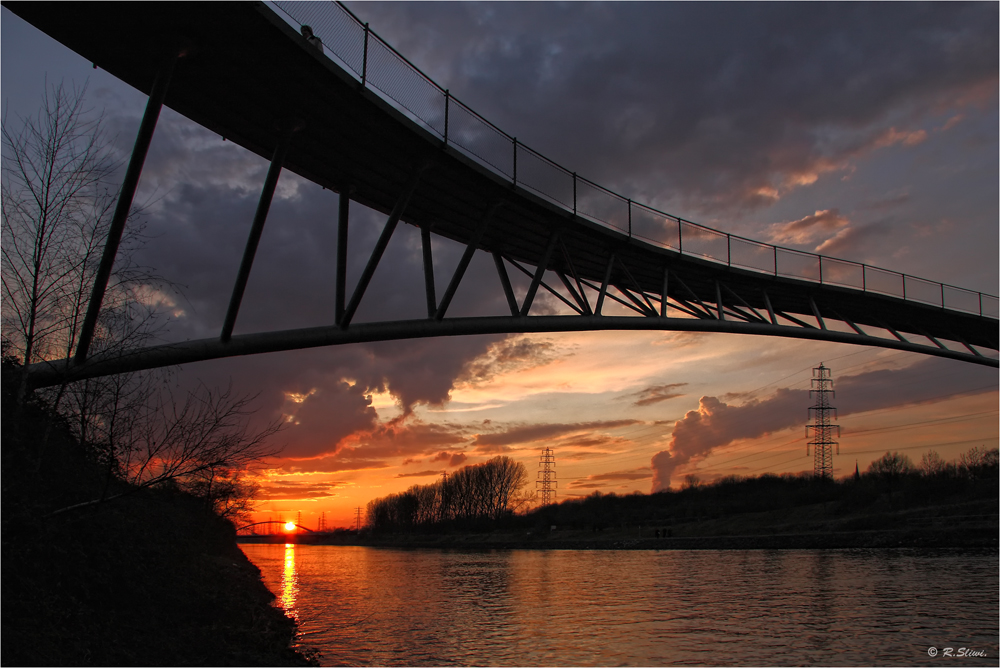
(547, 476)
(822, 428)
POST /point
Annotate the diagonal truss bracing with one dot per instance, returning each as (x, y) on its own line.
(310, 115)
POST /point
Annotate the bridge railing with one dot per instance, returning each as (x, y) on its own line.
(380, 68)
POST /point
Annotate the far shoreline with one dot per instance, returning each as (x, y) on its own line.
(977, 538)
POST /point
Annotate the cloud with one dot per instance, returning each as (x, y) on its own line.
(807, 229)
(855, 241)
(281, 491)
(769, 99)
(716, 424)
(451, 458)
(317, 429)
(544, 431)
(601, 479)
(421, 474)
(655, 394)
(503, 357)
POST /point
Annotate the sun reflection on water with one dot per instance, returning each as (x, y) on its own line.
(289, 581)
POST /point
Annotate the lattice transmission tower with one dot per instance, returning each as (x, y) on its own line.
(822, 428)
(546, 477)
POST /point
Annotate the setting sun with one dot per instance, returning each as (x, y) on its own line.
(289, 526)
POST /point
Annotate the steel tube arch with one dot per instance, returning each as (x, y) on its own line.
(44, 374)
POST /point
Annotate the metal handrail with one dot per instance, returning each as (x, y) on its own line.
(468, 147)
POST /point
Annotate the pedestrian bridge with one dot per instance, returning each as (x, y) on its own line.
(270, 528)
(360, 120)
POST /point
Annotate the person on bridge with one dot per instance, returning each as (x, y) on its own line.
(313, 40)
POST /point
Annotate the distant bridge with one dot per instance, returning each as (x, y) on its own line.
(370, 126)
(273, 526)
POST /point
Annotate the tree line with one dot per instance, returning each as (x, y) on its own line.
(891, 483)
(473, 496)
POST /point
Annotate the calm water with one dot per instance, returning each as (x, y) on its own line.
(368, 606)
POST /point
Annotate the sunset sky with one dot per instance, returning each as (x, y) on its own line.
(866, 132)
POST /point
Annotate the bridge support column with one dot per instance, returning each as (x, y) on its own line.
(508, 290)
(463, 264)
(124, 205)
(342, 225)
(380, 246)
(260, 217)
(539, 272)
(429, 288)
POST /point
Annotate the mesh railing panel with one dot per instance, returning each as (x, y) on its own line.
(602, 206)
(842, 272)
(990, 306)
(393, 76)
(960, 299)
(399, 81)
(884, 282)
(796, 264)
(921, 290)
(470, 132)
(544, 177)
(704, 242)
(751, 255)
(654, 226)
(341, 35)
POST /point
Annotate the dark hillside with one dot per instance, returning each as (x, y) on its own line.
(152, 578)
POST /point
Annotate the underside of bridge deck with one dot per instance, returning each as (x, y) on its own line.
(244, 73)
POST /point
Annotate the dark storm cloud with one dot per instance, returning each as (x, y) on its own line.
(727, 103)
(198, 216)
(716, 423)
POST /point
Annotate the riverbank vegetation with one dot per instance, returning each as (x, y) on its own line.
(472, 498)
(893, 503)
(876, 499)
(152, 575)
(117, 491)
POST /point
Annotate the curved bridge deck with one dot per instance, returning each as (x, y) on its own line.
(247, 75)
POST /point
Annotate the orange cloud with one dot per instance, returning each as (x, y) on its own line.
(808, 228)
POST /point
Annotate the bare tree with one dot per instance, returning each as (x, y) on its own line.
(57, 201)
(204, 445)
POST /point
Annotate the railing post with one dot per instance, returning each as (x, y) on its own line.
(820, 269)
(775, 260)
(903, 277)
(629, 219)
(364, 63)
(729, 252)
(447, 100)
(574, 193)
(942, 296)
(864, 278)
(680, 237)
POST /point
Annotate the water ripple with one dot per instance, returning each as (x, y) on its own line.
(366, 606)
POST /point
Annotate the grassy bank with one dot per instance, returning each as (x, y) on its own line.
(153, 578)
